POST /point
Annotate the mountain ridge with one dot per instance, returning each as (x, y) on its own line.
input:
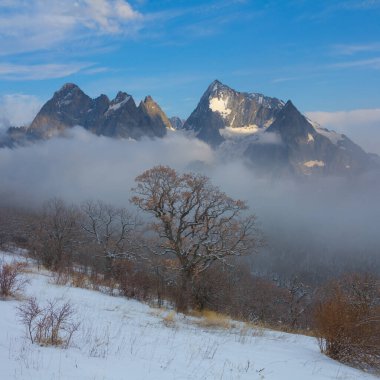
(119, 117)
(273, 136)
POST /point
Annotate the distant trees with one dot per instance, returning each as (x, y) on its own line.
(56, 236)
(195, 222)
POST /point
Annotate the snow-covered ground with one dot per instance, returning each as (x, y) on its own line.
(124, 339)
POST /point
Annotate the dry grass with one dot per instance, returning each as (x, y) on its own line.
(212, 319)
(80, 280)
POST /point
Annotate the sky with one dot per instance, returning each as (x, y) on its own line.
(323, 55)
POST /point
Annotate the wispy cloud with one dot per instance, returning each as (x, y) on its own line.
(285, 79)
(358, 4)
(43, 24)
(16, 72)
(351, 49)
(371, 63)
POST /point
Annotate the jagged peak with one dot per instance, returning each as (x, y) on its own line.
(101, 97)
(67, 91)
(120, 97)
(289, 104)
(149, 99)
(216, 86)
(68, 87)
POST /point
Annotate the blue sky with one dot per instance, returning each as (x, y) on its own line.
(324, 55)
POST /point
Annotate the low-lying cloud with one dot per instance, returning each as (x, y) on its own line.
(85, 166)
(362, 125)
(313, 219)
(18, 109)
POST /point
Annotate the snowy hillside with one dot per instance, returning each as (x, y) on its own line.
(123, 339)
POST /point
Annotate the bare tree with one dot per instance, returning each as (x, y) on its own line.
(297, 301)
(196, 222)
(57, 234)
(111, 229)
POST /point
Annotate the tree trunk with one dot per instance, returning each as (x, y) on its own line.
(184, 291)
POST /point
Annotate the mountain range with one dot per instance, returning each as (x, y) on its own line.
(271, 135)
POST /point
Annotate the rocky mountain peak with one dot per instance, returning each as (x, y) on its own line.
(68, 87)
(121, 96)
(216, 87)
(67, 90)
(70, 106)
(148, 99)
(291, 124)
(176, 122)
(223, 110)
(151, 108)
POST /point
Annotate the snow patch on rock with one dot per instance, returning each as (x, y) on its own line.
(116, 106)
(314, 163)
(334, 137)
(220, 105)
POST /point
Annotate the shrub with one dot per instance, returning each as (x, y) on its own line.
(52, 325)
(169, 319)
(11, 279)
(347, 321)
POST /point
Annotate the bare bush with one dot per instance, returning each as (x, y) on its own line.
(347, 321)
(11, 279)
(52, 325)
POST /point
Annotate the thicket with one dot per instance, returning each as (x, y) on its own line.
(347, 320)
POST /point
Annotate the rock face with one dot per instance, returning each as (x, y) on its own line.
(120, 117)
(272, 135)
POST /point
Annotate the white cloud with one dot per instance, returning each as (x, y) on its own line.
(43, 24)
(361, 125)
(18, 109)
